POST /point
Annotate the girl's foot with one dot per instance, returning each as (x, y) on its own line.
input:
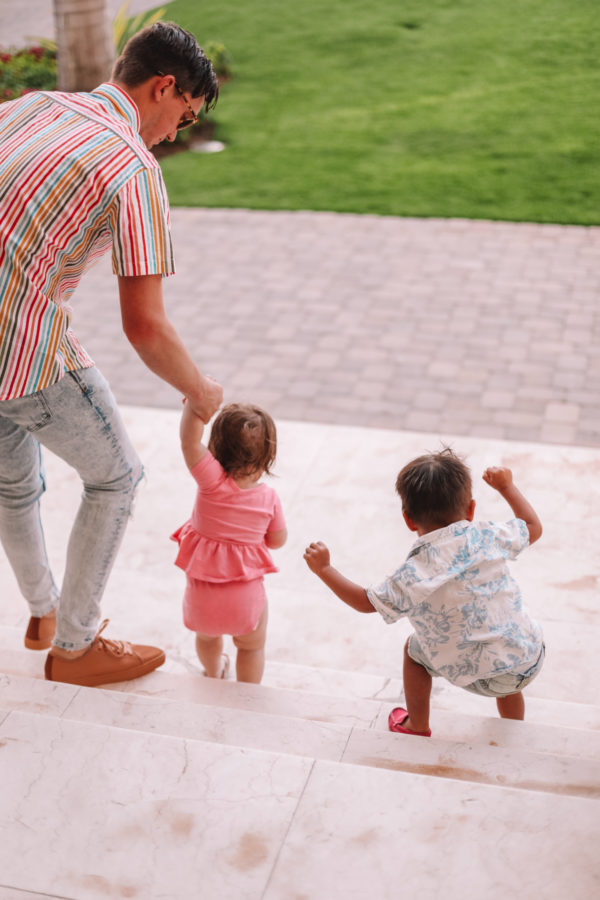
(224, 669)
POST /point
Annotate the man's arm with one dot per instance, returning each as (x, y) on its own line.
(317, 560)
(501, 480)
(160, 348)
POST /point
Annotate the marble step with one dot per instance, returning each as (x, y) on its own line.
(346, 691)
(477, 724)
(460, 719)
(540, 709)
(92, 811)
(515, 762)
(339, 686)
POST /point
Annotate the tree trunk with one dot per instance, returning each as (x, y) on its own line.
(84, 41)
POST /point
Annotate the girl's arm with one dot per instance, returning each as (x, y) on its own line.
(317, 559)
(276, 539)
(501, 480)
(191, 429)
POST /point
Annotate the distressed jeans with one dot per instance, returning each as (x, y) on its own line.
(78, 420)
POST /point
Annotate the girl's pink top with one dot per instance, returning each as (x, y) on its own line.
(224, 540)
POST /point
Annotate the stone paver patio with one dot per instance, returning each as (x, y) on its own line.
(445, 326)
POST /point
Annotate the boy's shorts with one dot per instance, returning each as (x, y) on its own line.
(497, 686)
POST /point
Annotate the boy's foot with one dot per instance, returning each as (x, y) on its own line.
(40, 631)
(106, 662)
(396, 720)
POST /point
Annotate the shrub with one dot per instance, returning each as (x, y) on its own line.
(220, 59)
(125, 26)
(30, 69)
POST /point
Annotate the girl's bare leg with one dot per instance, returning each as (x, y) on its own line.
(210, 653)
(512, 706)
(250, 663)
(417, 692)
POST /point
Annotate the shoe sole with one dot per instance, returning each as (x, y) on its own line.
(37, 645)
(108, 677)
(33, 639)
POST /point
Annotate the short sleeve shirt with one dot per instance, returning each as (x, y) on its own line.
(462, 601)
(224, 540)
(75, 179)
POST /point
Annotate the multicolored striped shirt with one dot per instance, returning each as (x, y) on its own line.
(75, 177)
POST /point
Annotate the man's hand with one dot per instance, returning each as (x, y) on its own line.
(206, 405)
(317, 557)
(498, 477)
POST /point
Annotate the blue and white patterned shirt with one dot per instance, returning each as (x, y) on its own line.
(457, 592)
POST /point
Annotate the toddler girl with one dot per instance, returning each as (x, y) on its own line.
(224, 546)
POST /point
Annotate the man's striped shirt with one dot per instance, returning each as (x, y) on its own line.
(75, 177)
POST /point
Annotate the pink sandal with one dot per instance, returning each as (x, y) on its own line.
(397, 717)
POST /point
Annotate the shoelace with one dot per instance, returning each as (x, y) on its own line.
(117, 648)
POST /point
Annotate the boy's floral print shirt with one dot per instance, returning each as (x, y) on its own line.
(459, 596)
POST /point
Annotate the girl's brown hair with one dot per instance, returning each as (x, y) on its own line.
(243, 439)
(435, 489)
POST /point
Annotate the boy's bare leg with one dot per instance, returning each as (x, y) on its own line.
(417, 692)
(250, 662)
(511, 706)
(210, 649)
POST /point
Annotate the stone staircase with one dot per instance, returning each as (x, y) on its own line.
(177, 787)
(286, 790)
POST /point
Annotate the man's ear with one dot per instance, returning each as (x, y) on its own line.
(412, 525)
(470, 511)
(160, 85)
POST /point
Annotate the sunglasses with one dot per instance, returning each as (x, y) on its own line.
(185, 121)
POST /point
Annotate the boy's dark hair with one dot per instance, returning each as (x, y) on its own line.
(165, 47)
(435, 489)
(243, 439)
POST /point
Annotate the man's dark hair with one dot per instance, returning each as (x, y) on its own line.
(165, 47)
(435, 489)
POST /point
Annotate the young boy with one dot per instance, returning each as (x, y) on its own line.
(456, 590)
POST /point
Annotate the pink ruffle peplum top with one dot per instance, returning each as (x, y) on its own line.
(224, 540)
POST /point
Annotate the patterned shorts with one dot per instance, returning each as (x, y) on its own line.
(497, 686)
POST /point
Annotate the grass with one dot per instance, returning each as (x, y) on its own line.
(467, 108)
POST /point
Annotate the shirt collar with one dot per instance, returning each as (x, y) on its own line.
(440, 535)
(120, 102)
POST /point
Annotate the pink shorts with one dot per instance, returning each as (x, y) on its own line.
(231, 607)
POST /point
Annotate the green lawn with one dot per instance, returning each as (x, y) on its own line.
(470, 108)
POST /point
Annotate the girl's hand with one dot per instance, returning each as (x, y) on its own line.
(498, 477)
(317, 557)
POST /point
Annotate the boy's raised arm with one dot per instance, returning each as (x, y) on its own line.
(501, 479)
(318, 561)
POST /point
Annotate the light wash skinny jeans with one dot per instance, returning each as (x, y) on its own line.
(77, 419)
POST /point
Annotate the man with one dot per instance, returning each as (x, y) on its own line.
(76, 176)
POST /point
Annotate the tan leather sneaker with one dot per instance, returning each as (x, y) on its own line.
(106, 662)
(40, 632)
